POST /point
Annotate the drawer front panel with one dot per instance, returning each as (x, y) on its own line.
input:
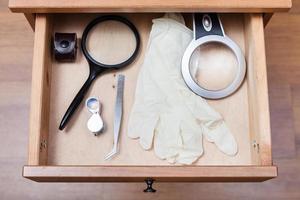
(64, 6)
(137, 174)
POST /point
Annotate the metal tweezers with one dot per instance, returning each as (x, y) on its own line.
(118, 116)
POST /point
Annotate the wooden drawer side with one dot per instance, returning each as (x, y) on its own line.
(260, 131)
(40, 92)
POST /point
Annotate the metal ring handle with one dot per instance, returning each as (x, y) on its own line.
(213, 38)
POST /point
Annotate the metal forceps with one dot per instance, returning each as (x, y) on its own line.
(117, 117)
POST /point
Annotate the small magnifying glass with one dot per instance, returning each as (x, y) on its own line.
(213, 65)
(105, 49)
(95, 123)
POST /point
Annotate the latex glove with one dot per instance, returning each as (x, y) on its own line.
(165, 109)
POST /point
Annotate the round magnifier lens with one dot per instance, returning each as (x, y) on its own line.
(213, 66)
(110, 42)
(93, 104)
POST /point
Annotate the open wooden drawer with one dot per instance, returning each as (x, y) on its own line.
(75, 155)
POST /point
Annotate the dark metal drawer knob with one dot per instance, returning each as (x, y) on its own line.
(149, 182)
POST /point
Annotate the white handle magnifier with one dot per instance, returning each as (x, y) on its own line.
(208, 29)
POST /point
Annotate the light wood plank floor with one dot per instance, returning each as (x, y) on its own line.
(283, 56)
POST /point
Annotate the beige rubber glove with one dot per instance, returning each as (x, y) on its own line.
(165, 110)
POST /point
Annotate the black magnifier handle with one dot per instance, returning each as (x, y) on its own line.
(77, 100)
(96, 68)
(207, 24)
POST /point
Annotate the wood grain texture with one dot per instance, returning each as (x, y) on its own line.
(283, 50)
(267, 17)
(40, 91)
(63, 6)
(135, 174)
(283, 132)
(295, 94)
(31, 19)
(258, 86)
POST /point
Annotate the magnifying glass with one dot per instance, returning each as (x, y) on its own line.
(209, 37)
(104, 48)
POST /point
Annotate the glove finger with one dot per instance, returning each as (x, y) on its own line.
(167, 140)
(192, 149)
(142, 122)
(141, 125)
(219, 134)
(213, 125)
(144, 114)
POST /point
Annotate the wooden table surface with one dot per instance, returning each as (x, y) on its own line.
(283, 56)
